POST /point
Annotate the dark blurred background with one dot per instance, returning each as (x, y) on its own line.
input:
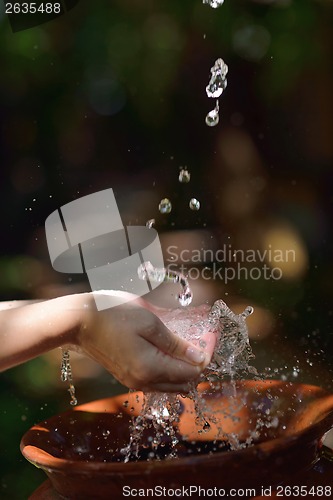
(112, 94)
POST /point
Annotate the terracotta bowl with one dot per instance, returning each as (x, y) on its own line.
(79, 449)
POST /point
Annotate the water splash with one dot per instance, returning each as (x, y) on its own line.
(233, 350)
(214, 3)
(160, 412)
(66, 375)
(147, 271)
(217, 84)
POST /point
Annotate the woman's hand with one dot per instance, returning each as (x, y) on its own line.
(129, 340)
(132, 343)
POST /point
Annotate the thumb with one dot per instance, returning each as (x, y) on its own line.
(176, 347)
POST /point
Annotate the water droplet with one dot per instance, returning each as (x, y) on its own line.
(66, 375)
(206, 427)
(212, 118)
(218, 81)
(147, 271)
(194, 204)
(184, 175)
(71, 391)
(165, 413)
(248, 311)
(150, 223)
(185, 298)
(165, 206)
(214, 3)
(217, 84)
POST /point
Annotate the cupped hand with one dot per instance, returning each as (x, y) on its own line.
(132, 343)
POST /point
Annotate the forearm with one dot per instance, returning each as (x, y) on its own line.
(28, 330)
(129, 340)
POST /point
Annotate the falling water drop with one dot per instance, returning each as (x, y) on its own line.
(217, 84)
(206, 427)
(184, 175)
(165, 206)
(214, 3)
(66, 375)
(147, 271)
(247, 312)
(213, 118)
(150, 223)
(194, 204)
(218, 81)
(185, 297)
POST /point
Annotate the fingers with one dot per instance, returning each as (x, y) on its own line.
(158, 368)
(177, 362)
(167, 375)
(141, 352)
(176, 347)
(208, 343)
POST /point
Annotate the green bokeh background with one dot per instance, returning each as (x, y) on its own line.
(112, 94)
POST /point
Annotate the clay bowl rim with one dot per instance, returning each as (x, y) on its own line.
(47, 462)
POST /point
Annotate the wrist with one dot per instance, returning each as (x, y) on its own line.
(33, 329)
(83, 310)
(66, 315)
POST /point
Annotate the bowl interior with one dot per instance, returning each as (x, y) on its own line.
(260, 412)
